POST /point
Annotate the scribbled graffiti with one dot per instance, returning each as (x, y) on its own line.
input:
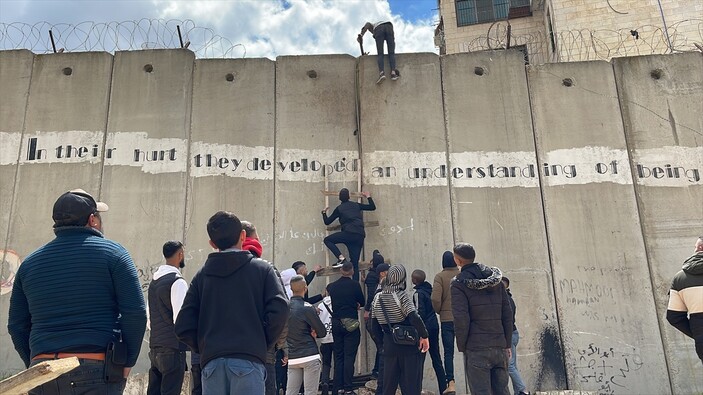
(10, 263)
(606, 368)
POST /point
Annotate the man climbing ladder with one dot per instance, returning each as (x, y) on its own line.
(351, 218)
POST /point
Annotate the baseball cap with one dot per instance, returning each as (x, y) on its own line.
(74, 207)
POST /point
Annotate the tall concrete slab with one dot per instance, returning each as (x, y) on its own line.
(662, 107)
(144, 177)
(61, 148)
(612, 342)
(315, 124)
(231, 150)
(404, 148)
(15, 74)
(496, 199)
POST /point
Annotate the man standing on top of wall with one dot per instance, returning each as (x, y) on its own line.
(166, 293)
(382, 31)
(55, 312)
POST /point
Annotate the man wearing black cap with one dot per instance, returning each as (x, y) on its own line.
(75, 295)
(350, 215)
(166, 293)
(483, 321)
(347, 298)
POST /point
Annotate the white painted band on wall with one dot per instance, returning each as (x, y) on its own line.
(494, 169)
(585, 165)
(152, 155)
(9, 146)
(212, 159)
(405, 169)
(671, 166)
(312, 165)
(75, 146)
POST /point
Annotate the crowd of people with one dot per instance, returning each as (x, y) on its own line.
(253, 330)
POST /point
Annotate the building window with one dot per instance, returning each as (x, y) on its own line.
(471, 12)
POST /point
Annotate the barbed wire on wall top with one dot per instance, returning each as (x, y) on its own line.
(118, 36)
(592, 44)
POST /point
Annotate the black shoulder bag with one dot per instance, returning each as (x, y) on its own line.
(403, 335)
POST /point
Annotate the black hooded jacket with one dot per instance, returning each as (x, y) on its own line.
(235, 308)
(350, 216)
(423, 302)
(482, 314)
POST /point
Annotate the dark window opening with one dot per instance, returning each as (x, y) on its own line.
(471, 12)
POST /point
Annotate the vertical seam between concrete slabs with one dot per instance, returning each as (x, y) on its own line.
(189, 135)
(357, 119)
(452, 210)
(275, 155)
(17, 169)
(641, 226)
(107, 119)
(546, 232)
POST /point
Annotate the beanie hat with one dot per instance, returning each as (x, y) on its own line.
(377, 259)
(344, 194)
(448, 259)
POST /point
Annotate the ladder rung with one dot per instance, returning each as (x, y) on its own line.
(336, 193)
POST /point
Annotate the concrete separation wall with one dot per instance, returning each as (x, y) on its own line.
(662, 99)
(581, 181)
(496, 197)
(594, 235)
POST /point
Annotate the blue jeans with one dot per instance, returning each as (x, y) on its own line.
(86, 379)
(518, 384)
(385, 33)
(233, 376)
(448, 345)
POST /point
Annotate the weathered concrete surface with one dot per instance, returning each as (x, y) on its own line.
(596, 246)
(402, 129)
(62, 110)
(233, 122)
(149, 113)
(15, 74)
(489, 126)
(315, 121)
(663, 121)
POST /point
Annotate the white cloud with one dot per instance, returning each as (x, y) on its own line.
(265, 28)
(272, 28)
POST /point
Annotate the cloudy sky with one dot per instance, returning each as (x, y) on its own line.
(263, 28)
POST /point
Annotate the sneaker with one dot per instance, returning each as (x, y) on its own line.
(394, 75)
(381, 77)
(339, 263)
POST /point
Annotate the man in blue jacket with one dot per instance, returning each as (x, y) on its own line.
(422, 298)
(234, 311)
(73, 296)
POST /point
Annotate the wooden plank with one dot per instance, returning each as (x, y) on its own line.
(37, 375)
(367, 224)
(331, 271)
(336, 193)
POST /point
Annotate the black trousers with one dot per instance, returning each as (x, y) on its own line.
(166, 373)
(402, 367)
(434, 351)
(487, 371)
(354, 243)
(326, 350)
(346, 345)
(196, 384)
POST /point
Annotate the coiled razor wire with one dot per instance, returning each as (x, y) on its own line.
(118, 36)
(587, 44)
